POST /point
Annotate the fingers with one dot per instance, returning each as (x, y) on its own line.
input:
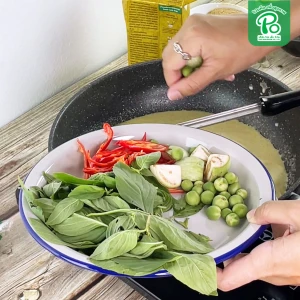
(246, 269)
(173, 62)
(277, 212)
(192, 84)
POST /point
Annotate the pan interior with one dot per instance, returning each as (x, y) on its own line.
(243, 134)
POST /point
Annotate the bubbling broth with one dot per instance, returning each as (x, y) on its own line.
(243, 134)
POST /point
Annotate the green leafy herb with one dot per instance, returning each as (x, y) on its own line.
(45, 233)
(64, 209)
(116, 245)
(133, 267)
(184, 224)
(172, 236)
(146, 247)
(179, 205)
(109, 203)
(147, 160)
(76, 225)
(187, 211)
(47, 205)
(38, 192)
(133, 188)
(198, 272)
(70, 179)
(168, 200)
(51, 188)
(95, 236)
(49, 178)
(119, 224)
(89, 192)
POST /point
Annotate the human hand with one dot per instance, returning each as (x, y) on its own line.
(221, 41)
(276, 261)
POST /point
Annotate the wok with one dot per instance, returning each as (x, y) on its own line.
(141, 89)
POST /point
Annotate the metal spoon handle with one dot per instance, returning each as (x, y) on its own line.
(268, 106)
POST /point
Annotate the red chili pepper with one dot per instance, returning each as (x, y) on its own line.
(144, 138)
(145, 146)
(166, 158)
(176, 191)
(108, 130)
(85, 156)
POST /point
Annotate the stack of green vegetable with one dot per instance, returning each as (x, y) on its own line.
(206, 179)
(116, 219)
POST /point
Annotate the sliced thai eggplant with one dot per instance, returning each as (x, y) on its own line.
(167, 175)
(192, 168)
(201, 152)
(217, 166)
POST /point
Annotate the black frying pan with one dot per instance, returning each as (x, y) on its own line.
(141, 89)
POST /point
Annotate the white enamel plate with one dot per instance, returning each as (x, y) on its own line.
(226, 241)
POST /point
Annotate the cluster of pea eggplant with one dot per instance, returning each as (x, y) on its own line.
(224, 197)
(193, 64)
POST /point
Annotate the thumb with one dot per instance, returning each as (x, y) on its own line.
(247, 268)
(276, 212)
(192, 84)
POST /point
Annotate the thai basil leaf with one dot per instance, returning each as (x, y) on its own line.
(179, 205)
(168, 200)
(44, 232)
(38, 192)
(90, 204)
(49, 178)
(146, 247)
(85, 211)
(70, 179)
(95, 236)
(151, 179)
(116, 245)
(83, 245)
(30, 197)
(38, 212)
(90, 192)
(158, 201)
(184, 224)
(63, 210)
(172, 236)
(187, 211)
(110, 182)
(100, 176)
(109, 203)
(132, 266)
(119, 224)
(198, 237)
(63, 192)
(146, 173)
(76, 225)
(51, 188)
(198, 272)
(147, 160)
(46, 204)
(133, 188)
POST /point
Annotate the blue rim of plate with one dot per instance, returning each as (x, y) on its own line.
(162, 273)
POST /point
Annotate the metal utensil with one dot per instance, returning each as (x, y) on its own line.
(268, 106)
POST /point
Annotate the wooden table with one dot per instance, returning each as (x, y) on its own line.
(24, 265)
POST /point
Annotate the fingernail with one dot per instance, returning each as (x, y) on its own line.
(174, 95)
(250, 215)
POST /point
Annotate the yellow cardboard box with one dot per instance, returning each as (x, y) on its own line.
(151, 24)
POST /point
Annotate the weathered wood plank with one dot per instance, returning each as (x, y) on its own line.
(24, 265)
(111, 288)
(24, 141)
